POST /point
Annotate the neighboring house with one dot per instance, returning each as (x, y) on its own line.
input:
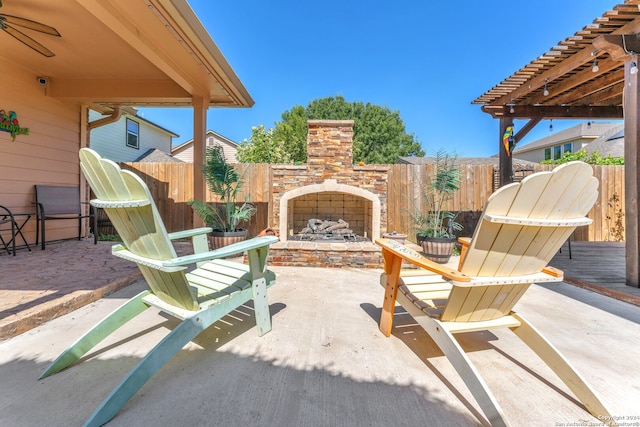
(184, 151)
(611, 143)
(556, 145)
(130, 138)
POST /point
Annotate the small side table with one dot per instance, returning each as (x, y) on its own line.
(7, 217)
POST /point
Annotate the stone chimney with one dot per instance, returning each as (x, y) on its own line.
(330, 144)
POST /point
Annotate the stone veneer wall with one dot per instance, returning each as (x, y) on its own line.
(330, 157)
(332, 176)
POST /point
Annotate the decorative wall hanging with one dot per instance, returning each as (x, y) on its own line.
(8, 21)
(9, 123)
(507, 140)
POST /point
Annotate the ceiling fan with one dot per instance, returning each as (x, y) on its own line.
(8, 21)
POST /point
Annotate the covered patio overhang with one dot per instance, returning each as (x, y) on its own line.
(112, 53)
(590, 75)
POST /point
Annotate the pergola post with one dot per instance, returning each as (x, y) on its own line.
(631, 159)
(506, 161)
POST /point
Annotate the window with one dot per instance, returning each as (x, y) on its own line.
(557, 152)
(132, 134)
(567, 148)
(547, 153)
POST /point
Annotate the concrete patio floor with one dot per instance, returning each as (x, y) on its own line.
(325, 363)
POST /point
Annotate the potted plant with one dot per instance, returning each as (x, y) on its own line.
(435, 225)
(224, 181)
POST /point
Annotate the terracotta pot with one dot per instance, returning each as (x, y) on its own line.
(219, 239)
(398, 237)
(438, 249)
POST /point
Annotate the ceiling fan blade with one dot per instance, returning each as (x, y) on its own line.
(29, 41)
(32, 25)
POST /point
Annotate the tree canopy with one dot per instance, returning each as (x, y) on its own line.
(379, 135)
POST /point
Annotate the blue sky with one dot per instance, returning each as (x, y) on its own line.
(426, 59)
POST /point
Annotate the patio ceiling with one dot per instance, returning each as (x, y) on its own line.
(574, 89)
(148, 52)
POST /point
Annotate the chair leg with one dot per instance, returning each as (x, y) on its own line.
(145, 369)
(162, 353)
(567, 373)
(261, 306)
(42, 234)
(95, 335)
(159, 355)
(95, 226)
(463, 366)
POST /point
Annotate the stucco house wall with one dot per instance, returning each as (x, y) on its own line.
(47, 155)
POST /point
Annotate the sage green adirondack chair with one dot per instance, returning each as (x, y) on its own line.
(199, 298)
(522, 227)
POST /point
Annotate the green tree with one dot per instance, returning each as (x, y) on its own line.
(379, 134)
(262, 147)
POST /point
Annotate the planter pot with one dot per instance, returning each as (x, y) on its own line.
(398, 237)
(438, 249)
(219, 239)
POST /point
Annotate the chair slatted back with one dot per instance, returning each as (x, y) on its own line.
(511, 249)
(140, 227)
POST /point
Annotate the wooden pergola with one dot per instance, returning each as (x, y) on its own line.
(566, 83)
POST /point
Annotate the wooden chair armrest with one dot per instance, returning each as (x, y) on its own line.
(416, 259)
(198, 236)
(121, 251)
(236, 248)
(190, 233)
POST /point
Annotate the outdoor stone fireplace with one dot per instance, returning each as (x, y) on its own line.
(329, 188)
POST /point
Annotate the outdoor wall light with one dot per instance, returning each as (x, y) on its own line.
(545, 92)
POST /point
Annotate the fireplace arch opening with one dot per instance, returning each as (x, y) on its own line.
(332, 202)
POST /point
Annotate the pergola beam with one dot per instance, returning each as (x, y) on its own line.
(555, 112)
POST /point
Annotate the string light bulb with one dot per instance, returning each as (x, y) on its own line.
(634, 68)
(551, 125)
(545, 92)
(512, 110)
(595, 67)
(589, 124)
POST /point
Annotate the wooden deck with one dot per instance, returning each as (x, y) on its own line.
(597, 266)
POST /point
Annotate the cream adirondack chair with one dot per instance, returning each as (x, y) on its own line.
(522, 227)
(199, 298)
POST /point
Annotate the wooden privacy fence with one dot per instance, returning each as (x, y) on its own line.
(171, 185)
